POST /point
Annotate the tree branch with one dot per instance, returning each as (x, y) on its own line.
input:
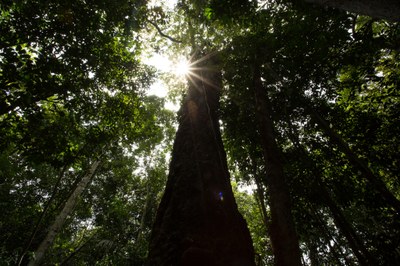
(162, 33)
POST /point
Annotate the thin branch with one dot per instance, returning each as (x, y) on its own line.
(44, 212)
(162, 33)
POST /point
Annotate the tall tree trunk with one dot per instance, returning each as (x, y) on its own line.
(60, 219)
(42, 215)
(356, 161)
(261, 200)
(284, 238)
(144, 214)
(386, 9)
(329, 237)
(261, 205)
(198, 222)
(363, 255)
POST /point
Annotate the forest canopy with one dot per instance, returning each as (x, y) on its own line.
(308, 112)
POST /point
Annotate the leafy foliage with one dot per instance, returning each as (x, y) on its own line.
(73, 90)
(326, 62)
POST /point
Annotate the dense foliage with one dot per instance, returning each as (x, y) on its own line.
(72, 92)
(332, 105)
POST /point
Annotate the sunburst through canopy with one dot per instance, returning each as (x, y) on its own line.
(182, 68)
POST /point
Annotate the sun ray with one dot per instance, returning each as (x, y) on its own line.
(182, 68)
(198, 74)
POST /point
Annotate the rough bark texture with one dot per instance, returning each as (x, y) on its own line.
(386, 9)
(60, 219)
(197, 221)
(282, 231)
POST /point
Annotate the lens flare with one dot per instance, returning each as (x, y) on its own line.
(182, 68)
(221, 196)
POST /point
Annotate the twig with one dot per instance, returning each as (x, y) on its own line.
(162, 33)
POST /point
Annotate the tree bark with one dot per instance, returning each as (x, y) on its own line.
(198, 222)
(386, 9)
(284, 238)
(60, 219)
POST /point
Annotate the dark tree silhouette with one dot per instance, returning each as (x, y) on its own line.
(197, 221)
(386, 9)
(282, 230)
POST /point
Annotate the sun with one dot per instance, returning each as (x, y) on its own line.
(182, 68)
(170, 68)
(178, 66)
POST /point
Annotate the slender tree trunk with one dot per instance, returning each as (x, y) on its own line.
(197, 222)
(77, 250)
(363, 255)
(313, 253)
(335, 254)
(144, 214)
(386, 9)
(284, 239)
(356, 161)
(60, 219)
(329, 237)
(42, 215)
(261, 202)
(261, 199)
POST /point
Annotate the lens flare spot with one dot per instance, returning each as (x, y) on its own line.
(220, 196)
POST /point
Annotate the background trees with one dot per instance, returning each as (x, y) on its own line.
(304, 53)
(72, 95)
(72, 92)
(387, 9)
